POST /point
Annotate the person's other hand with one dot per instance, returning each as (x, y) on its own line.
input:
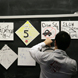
(48, 42)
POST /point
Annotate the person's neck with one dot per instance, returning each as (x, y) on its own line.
(56, 47)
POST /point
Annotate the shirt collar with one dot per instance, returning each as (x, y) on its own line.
(59, 50)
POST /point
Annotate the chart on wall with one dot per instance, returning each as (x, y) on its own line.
(7, 56)
(6, 31)
(27, 32)
(71, 27)
(49, 29)
(24, 57)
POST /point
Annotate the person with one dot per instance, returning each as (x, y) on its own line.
(54, 63)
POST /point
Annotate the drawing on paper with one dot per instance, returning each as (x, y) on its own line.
(49, 29)
(71, 27)
(47, 32)
(24, 57)
(8, 56)
(6, 31)
(27, 32)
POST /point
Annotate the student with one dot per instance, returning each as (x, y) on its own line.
(55, 64)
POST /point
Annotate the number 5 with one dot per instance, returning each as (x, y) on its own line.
(25, 31)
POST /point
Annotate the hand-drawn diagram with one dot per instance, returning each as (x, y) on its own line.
(27, 32)
(49, 29)
(6, 31)
(71, 27)
(24, 57)
(7, 57)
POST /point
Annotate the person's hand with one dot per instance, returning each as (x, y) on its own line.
(48, 42)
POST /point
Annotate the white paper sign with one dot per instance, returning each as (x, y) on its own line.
(7, 57)
(24, 57)
(49, 29)
(27, 32)
(71, 27)
(6, 31)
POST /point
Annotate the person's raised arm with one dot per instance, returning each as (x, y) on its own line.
(35, 50)
(48, 42)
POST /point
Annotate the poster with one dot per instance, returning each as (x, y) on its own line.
(24, 57)
(71, 27)
(6, 31)
(27, 32)
(7, 56)
(49, 29)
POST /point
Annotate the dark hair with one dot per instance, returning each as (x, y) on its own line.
(62, 40)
